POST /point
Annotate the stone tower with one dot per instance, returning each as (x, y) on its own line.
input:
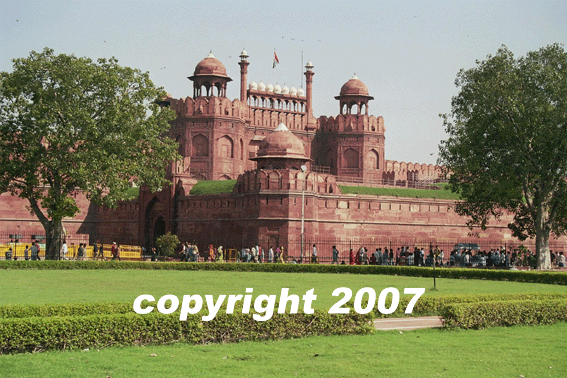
(352, 143)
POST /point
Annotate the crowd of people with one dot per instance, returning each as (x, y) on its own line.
(256, 254)
(189, 252)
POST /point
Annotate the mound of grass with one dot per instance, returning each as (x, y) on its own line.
(133, 193)
(401, 192)
(213, 187)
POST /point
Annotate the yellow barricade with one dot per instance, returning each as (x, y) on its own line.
(127, 252)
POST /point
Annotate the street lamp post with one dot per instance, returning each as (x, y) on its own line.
(303, 169)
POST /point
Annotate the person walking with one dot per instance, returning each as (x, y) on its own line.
(335, 255)
(115, 251)
(314, 255)
(271, 254)
(64, 250)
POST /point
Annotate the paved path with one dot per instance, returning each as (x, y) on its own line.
(408, 324)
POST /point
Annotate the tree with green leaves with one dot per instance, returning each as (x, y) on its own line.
(167, 244)
(70, 124)
(507, 144)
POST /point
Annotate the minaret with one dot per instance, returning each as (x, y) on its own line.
(243, 75)
(309, 91)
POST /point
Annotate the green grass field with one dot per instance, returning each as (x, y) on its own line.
(496, 352)
(65, 286)
(226, 186)
(213, 187)
(401, 192)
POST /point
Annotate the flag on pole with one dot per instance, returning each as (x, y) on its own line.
(276, 60)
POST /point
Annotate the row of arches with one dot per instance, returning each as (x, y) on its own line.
(277, 104)
(226, 147)
(351, 159)
(354, 108)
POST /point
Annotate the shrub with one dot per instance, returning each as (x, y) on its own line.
(558, 278)
(97, 331)
(167, 244)
(64, 309)
(507, 313)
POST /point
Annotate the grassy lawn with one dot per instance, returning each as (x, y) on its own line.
(226, 186)
(65, 286)
(401, 192)
(213, 187)
(496, 352)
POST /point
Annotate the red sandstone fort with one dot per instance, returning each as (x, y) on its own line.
(287, 164)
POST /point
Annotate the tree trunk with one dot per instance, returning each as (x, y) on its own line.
(543, 231)
(542, 250)
(54, 239)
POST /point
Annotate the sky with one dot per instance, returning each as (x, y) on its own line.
(408, 53)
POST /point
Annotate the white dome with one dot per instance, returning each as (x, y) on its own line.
(300, 92)
(277, 89)
(262, 86)
(253, 85)
(269, 87)
(285, 89)
(292, 91)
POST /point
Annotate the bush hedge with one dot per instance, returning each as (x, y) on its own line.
(434, 305)
(559, 278)
(97, 331)
(504, 313)
(64, 309)
(426, 305)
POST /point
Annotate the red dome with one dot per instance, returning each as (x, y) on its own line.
(354, 87)
(281, 144)
(210, 66)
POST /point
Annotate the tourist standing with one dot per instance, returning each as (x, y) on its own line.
(64, 250)
(34, 251)
(81, 251)
(351, 257)
(271, 254)
(335, 255)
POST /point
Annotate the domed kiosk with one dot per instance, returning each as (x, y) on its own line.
(281, 150)
(209, 73)
(354, 92)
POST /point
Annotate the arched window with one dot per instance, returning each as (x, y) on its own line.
(200, 146)
(373, 160)
(330, 158)
(350, 158)
(226, 147)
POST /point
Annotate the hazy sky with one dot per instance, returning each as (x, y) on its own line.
(407, 53)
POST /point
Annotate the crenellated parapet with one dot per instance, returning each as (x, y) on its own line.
(346, 123)
(395, 170)
(261, 180)
(211, 106)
